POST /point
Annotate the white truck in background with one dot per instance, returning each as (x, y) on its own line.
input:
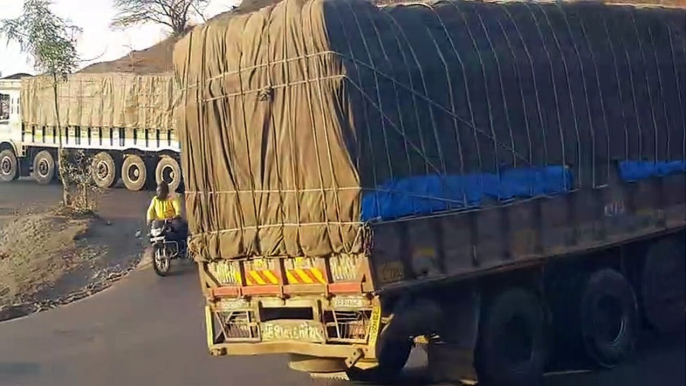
(124, 121)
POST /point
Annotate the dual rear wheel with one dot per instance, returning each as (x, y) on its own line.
(44, 167)
(601, 320)
(105, 169)
(134, 171)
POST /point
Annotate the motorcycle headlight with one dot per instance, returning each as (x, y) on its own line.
(155, 232)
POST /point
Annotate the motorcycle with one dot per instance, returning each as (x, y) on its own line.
(165, 250)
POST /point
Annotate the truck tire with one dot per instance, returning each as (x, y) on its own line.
(9, 166)
(608, 318)
(392, 360)
(663, 286)
(168, 170)
(511, 348)
(44, 167)
(134, 172)
(105, 171)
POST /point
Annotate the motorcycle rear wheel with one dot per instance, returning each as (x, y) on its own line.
(161, 262)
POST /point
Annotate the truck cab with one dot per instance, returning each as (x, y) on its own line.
(10, 113)
(10, 127)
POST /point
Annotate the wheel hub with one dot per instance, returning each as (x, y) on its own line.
(134, 173)
(102, 170)
(43, 168)
(6, 165)
(609, 319)
(168, 174)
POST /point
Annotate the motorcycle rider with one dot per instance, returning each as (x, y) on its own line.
(165, 206)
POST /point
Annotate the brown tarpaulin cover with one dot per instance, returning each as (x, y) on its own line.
(265, 160)
(289, 114)
(101, 100)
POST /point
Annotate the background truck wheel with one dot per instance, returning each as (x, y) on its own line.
(608, 318)
(511, 349)
(105, 170)
(9, 167)
(134, 172)
(663, 286)
(44, 167)
(168, 170)
(392, 360)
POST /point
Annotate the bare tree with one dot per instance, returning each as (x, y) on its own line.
(51, 42)
(175, 14)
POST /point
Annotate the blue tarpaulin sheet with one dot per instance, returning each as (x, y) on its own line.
(631, 171)
(423, 195)
(430, 194)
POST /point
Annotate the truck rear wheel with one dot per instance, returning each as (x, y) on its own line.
(44, 167)
(169, 171)
(608, 318)
(9, 167)
(663, 286)
(104, 170)
(134, 172)
(511, 349)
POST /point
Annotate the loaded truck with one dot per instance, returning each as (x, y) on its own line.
(505, 182)
(123, 121)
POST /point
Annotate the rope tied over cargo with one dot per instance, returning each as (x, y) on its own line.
(266, 94)
(416, 111)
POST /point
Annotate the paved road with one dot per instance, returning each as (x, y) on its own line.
(114, 204)
(149, 331)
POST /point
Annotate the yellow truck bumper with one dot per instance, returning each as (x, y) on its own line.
(311, 349)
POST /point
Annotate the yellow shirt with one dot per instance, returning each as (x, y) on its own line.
(163, 209)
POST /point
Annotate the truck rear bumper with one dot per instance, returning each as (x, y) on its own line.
(340, 351)
(349, 341)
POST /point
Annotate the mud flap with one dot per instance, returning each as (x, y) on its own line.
(451, 358)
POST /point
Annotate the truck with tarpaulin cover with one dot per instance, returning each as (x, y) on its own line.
(506, 181)
(122, 121)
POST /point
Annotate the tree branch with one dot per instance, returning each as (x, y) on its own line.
(174, 14)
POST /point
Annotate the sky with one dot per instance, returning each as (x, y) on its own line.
(98, 42)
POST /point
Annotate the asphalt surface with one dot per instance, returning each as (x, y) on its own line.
(147, 330)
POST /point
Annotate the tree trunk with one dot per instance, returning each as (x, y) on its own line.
(60, 155)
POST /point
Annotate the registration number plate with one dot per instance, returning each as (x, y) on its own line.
(297, 330)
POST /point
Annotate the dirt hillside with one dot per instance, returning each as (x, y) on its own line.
(158, 58)
(153, 60)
